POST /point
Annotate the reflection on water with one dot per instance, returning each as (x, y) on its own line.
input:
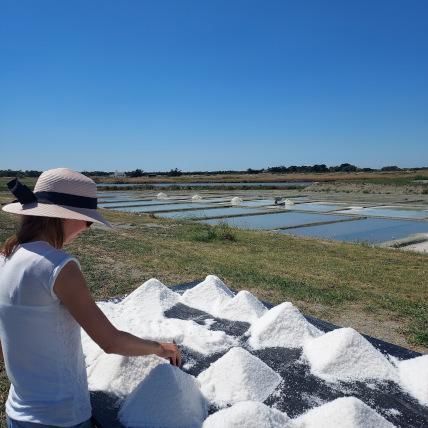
(273, 221)
(163, 207)
(210, 212)
(371, 230)
(314, 206)
(388, 212)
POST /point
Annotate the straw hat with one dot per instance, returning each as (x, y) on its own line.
(59, 192)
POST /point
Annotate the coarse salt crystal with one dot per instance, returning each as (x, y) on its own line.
(283, 325)
(119, 375)
(343, 354)
(345, 412)
(414, 377)
(248, 414)
(166, 398)
(209, 295)
(238, 376)
(243, 307)
(149, 300)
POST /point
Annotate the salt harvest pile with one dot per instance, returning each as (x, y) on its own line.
(247, 365)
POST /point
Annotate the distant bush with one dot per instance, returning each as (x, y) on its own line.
(391, 168)
(220, 232)
(19, 173)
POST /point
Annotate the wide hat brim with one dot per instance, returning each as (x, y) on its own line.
(40, 209)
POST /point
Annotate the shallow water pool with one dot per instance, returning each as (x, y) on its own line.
(210, 212)
(166, 206)
(274, 221)
(371, 230)
(314, 206)
(388, 212)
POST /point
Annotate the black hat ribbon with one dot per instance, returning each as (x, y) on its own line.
(25, 196)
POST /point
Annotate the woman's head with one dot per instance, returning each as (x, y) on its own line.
(61, 193)
(56, 231)
(62, 205)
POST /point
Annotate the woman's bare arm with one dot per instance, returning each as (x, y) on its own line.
(70, 287)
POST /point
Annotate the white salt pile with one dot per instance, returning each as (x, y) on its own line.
(162, 196)
(184, 332)
(142, 313)
(238, 376)
(148, 301)
(196, 198)
(210, 295)
(345, 412)
(109, 309)
(236, 201)
(188, 333)
(243, 307)
(414, 377)
(120, 375)
(91, 350)
(248, 414)
(283, 325)
(344, 354)
(166, 398)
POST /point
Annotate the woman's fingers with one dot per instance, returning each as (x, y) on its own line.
(179, 358)
(171, 351)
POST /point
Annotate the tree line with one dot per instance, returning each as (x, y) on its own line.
(317, 168)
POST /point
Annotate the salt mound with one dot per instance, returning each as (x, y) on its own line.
(150, 300)
(283, 325)
(344, 354)
(120, 375)
(109, 309)
(236, 201)
(162, 196)
(243, 307)
(345, 412)
(238, 376)
(248, 414)
(91, 350)
(414, 377)
(209, 295)
(166, 398)
(184, 332)
(196, 198)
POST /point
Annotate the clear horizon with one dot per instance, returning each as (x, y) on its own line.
(213, 86)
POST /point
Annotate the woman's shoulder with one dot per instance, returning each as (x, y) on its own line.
(45, 252)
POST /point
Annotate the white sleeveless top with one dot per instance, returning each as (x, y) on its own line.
(41, 341)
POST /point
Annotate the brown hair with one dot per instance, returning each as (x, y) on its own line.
(50, 228)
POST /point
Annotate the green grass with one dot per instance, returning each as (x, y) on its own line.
(30, 182)
(380, 292)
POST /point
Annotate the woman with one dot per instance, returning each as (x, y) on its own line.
(44, 300)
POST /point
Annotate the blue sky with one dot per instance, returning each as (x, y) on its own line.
(206, 85)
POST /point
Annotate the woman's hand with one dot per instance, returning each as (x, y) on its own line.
(171, 352)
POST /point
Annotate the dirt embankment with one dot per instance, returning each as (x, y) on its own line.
(367, 188)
